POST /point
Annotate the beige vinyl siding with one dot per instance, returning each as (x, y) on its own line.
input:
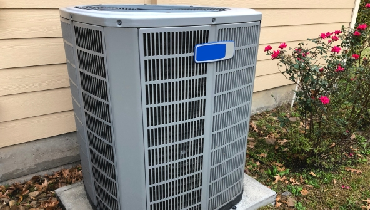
(33, 79)
(262, 4)
(32, 128)
(41, 4)
(34, 89)
(15, 107)
(47, 24)
(43, 51)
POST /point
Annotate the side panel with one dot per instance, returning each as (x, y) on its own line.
(233, 88)
(125, 91)
(74, 80)
(88, 72)
(174, 102)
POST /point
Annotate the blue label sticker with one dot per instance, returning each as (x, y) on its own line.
(214, 51)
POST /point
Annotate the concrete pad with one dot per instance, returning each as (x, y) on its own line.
(73, 197)
(255, 195)
(263, 100)
(40, 173)
(32, 157)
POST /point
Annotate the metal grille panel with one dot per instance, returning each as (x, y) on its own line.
(67, 32)
(149, 8)
(95, 99)
(174, 93)
(89, 39)
(233, 89)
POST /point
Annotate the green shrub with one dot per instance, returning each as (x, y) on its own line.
(333, 96)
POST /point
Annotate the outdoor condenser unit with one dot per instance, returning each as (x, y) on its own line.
(162, 101)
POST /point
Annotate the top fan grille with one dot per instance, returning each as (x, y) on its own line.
(150, 8)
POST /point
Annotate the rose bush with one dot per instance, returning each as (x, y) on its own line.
(333, 95)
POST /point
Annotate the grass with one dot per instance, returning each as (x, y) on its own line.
(344, 187)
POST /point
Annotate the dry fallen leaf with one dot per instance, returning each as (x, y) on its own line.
(251, 144)
(12, 203)
(310, 186)
(282, 142)
(293, 119)
(332, 145)
(278, 204)
(279, 178)
(34, 194)
(304, 192)
(291, 202)
(278, 197)
(312, 173)
(334, 181)
(278, 164)
(254, 126)
(353, 136)
(270, 140)
(353, 170)
(258, 163)
(262, 155)
(302, 180)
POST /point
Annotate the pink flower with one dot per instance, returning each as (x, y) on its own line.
(357, 33)
(351, 154)
(323, 35)
(367, 5)
(362, 27)
(336, 49)
(267, 48)
(282, 45)
(329, 41)
(324, 100)
(355, 56)
(275, 54)
(334, 38)
(337, 32)
(321, 69)
(345, 187)
(328, 34)
(339, 68)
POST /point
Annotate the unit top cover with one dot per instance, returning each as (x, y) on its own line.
(157, 15)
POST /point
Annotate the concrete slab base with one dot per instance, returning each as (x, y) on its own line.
(73, 197)
(255, 195)
(40, 173)
(41, 155)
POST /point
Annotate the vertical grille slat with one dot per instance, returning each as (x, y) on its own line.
(174, 90)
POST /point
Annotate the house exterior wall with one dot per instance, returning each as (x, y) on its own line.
(35, 98)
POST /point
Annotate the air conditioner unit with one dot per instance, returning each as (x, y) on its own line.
(162, 101)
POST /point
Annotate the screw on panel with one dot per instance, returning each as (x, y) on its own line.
(119, 22)
(213, 20)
